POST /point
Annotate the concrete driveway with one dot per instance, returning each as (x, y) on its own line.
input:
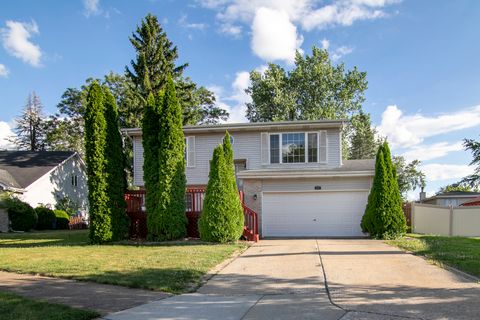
(322, 279)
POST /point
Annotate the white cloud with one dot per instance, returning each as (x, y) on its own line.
(340, 52)
(310, 14)
(274, 36)
(268, 42)
(325, 44)
(235, 102)
(410, 130)
(16, 41)
(91, 8)
(439, 172)
(428, 152)
(5, 133)
(183, 21)
(3, 71)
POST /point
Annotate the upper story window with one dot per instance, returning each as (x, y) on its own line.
(190, 151)
(74, 180)
(295, 147)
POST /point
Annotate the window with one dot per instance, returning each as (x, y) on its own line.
(298, 147)
(189, 151)
(74, 180)
(274, 148)
(293, 147)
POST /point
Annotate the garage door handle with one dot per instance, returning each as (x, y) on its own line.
(314, 219)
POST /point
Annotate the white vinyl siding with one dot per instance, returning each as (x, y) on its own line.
(251, 146)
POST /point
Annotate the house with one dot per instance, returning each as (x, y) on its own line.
(44, 177)
(291, 173)
(471, 203)
(451, 198)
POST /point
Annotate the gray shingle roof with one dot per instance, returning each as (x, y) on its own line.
(25, 167)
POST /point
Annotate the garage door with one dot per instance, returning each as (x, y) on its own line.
(313, 214)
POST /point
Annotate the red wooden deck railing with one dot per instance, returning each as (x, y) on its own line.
(194, 205)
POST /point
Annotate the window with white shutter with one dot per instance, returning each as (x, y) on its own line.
(323, 146)
(190, 151)
(264, 148)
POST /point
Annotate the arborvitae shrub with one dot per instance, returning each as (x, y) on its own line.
(62, 219)
(384, 218)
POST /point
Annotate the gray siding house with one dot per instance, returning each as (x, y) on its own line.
(44, 177)
(291, 173)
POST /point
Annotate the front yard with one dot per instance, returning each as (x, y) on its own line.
(14, 307)
(174, 267)
(459, 252)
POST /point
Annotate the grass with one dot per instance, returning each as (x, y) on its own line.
(174, 267)
(459, 252)
(14, 307)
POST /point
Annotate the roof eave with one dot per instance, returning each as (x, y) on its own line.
(255, 126)
(254, 174)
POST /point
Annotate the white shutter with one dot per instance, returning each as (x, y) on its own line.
(264, 148)
(191, 151)
(323, 146)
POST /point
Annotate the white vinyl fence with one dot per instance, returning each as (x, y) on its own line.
(446, 221)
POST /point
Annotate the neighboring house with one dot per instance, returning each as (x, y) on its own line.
(452, 198)
(291, 173)
(472, 203)
(44, 177)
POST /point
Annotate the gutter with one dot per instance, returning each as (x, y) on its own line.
(308, 174)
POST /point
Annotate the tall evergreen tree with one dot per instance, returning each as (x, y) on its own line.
(155, 59)
(383, 216)
(151, 145)
(363, 144)
(170, 220)
(30, 126)
(115, 164)
(95, 142)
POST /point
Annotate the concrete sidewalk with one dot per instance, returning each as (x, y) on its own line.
(102, 298)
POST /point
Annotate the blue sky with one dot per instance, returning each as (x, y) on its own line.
(421, 58)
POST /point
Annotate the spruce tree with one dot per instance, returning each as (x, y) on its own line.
(115, 164)
(363, 142)
(383, 216)
(155, 60)
(30, 127)
(170, 220)
(151, 145)
(95, 142)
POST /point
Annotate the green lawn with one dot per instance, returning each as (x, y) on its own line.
(459, 252)
(13, 307)
(174, 267)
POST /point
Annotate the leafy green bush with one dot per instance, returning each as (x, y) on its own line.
(22, 216)
(46, 218)
(62, 219)
(68, 205)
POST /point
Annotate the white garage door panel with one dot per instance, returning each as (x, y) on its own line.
(323, 214)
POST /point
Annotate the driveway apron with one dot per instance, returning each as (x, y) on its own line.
(274, 279)
(371, 276)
